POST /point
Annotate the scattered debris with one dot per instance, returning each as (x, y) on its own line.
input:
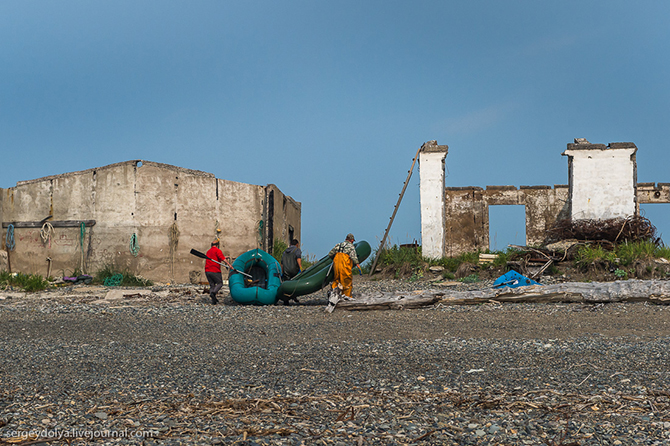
(609, 231)
(84, 278)
(512, 279)
(487, 258)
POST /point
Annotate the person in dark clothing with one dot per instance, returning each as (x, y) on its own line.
(291, 261)
(213, 269)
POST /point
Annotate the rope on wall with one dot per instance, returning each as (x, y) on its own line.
(134, 245)
(46, 234)
(260, 233)
(10, 243)
(114, 280)
(82, 234)
(173, 235)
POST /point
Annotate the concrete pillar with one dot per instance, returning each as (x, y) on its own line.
(602, 180)
(432, 195)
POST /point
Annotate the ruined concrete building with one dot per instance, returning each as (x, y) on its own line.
(139, 216)
(602, 184)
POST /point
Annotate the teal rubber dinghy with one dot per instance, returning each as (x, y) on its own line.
(317, 276)
(261, 288)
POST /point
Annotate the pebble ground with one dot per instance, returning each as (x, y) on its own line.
(168, 367)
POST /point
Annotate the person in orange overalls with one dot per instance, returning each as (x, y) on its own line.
(344, 258)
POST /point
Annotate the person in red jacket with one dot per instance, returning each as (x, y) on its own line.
(213, 270)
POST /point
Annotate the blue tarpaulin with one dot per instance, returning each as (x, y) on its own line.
(513, 279)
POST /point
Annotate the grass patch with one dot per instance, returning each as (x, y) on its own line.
(448, 275)
(504, 257)
(411, 259)
(452, 263)
(624, 254)
(397, 256)
(472, 278)
(630, 252)
(119, 278)
(307, 261)
(29, 282)
(588, 254)
(278, 249)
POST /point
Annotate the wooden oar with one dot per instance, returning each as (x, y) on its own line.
(204, 256)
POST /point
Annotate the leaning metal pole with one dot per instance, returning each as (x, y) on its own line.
(395, 210)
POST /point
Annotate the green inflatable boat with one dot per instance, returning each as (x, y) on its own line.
(316, 276)
(261, 288)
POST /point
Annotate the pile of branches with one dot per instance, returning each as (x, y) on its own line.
(614, 230)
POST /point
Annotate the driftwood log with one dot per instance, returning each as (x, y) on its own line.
(656, 291)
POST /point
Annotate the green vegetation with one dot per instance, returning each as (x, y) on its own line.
(307, 261)
(280, 246)
(397, 256)
(588, 254)
(278, 249)
(472, 278)
(503, 256)
(119, 278)
(29, 282)
(448, 275)
(621, 274)
(623, 254)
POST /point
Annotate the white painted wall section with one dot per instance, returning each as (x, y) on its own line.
(431, 189)
(602, 180)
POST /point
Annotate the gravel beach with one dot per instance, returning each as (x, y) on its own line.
(162, 366)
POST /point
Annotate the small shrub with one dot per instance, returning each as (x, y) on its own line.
(472, 278)
(503, 257)
(621, 274)
(278, 249)
(398, 256)
(589, 254)
(452, 263)
(448, 275)
(630, 252)
(553, 270)
(416, 275)
(662, 251)
(29, 282)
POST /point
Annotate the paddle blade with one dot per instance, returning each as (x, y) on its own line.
(198, 254)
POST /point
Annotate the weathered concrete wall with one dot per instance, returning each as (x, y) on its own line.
(602, 180)
(283, 216)
(653, 193)
(168, 209)
(431, 192)
(4, 266)
(467, 213)
(602, 185)
(466, 218)
(544, 206)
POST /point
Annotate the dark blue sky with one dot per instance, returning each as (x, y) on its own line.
(331, 100)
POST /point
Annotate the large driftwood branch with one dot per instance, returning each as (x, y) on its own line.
(391, 300)
(657, 291)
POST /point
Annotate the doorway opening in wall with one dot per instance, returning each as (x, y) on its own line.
(659, 216)
(507, 226)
